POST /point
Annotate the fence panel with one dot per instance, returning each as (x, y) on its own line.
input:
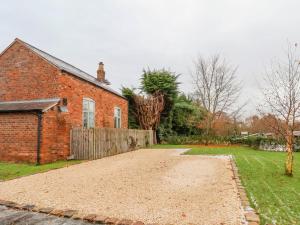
(97, 143)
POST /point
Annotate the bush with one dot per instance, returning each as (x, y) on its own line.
(251, 141)
(257, 141)
(195, 139)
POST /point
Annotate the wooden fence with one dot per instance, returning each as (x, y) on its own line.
(97, 143)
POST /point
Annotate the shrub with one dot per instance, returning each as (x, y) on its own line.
(196, 139)
(252, 141)
(257, 141)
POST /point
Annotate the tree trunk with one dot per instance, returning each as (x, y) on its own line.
(290, 158)
(154, 137)
(208, 130)
(158, 141)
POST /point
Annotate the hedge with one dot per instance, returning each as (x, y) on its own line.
(251, 141)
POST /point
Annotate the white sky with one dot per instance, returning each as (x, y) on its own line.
(129, 35)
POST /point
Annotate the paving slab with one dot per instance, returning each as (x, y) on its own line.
(18, 217)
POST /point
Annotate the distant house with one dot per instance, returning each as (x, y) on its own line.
(297, 133)
(43, 97)
(268, 134)
(244, 133)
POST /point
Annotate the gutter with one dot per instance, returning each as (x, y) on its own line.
(39, 134)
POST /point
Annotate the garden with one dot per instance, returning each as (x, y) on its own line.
(210, 121)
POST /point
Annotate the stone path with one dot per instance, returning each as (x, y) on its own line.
(18, 217)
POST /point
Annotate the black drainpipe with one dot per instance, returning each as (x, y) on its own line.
(39, 133)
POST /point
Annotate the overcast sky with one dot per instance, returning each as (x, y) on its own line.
(129, 35)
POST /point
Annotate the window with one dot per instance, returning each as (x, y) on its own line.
(88, 113)
(117, 117)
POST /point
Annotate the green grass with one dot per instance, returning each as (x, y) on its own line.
(13, 170)
(275, 196)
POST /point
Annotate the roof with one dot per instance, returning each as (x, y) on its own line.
(64, 66)
(29, 105)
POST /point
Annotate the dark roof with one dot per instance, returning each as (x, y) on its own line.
(29, 105)
(64, 66)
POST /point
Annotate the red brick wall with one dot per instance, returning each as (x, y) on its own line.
(27, 76)
(55, 138)
(18, 137)
(75, 89)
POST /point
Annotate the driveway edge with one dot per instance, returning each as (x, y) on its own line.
(72, 214)
(250, 214)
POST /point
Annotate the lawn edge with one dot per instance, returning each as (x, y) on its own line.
(32, 174)
(251, 216)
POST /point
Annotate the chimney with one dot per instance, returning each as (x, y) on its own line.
(101, 72)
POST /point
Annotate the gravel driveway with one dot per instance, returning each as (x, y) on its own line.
(154, 186)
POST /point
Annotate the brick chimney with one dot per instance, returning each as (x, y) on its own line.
(101, 73)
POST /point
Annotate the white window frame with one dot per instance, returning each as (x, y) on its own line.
(117, 117)
(88, 111)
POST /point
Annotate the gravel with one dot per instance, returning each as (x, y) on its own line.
(154, 186)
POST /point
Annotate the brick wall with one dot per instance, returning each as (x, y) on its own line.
(18, 137)
(75, 89)
(55, 136)
(27, 76)
(24, 75)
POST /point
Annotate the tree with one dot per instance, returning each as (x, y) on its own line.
(160, 80)
(261, 124)
(129, 93)
(187, 116)
(223, 125)
(216, 88)
(281, 93)
(148, 110)
(166, 83)
(180, 114)
(153, 82)
(144, 110)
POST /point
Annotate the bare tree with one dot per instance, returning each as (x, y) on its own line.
(216, 87)
(281, 93)
(148, 110)
(236, 116)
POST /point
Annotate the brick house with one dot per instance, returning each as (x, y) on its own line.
(43, 97)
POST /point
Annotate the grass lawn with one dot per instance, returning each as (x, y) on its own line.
(13, 170)
(275, 196)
